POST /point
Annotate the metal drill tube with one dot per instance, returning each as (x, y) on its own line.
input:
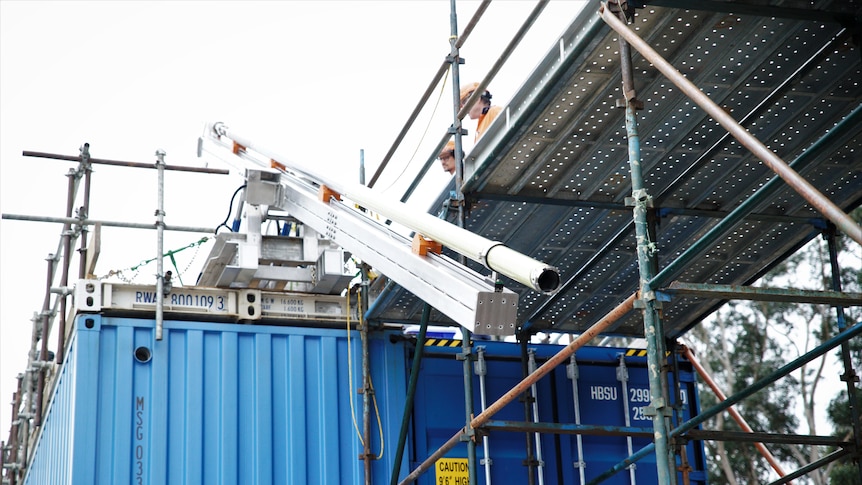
(494, 255)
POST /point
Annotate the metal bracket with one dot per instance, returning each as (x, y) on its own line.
(450, 58)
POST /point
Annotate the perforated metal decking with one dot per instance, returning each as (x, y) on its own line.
(553, 181)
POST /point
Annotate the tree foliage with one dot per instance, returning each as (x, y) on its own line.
(746, 341)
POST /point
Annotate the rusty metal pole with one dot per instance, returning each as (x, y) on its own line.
(66, 261)
(13, 433)
(707, 378)
(43, 353)
(559, 358)
(367, 456)
(84, 212)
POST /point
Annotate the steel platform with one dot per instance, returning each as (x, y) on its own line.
(553, 181)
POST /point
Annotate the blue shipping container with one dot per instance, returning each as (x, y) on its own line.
(440, 413)
(215, 403)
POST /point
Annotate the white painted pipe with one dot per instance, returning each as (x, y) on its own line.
(493, 254)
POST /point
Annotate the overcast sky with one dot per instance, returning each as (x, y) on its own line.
(315, 81)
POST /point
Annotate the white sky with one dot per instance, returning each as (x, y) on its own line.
(315, 81)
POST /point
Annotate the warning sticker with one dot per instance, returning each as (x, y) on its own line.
(452, 471)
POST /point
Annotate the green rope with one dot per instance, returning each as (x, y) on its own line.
(169, 254)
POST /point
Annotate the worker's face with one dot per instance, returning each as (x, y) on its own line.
(448, 162)
(476, 111)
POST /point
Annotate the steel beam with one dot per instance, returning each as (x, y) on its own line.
(755, 437)
(567, 428)
(737, 292)
(787, 10)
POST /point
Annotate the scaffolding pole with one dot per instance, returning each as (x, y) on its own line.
(504, 56)
(850, 377)
(658, 409)
(441, 71)
(743, 424)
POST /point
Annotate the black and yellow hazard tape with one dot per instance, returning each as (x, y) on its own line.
(442, 342)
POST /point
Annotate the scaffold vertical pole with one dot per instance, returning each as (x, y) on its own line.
(466, 344)
(849, 376)
(367, 389)
(37, 363)
(411, 393)
(66, 261)
(530, 459)
(87, 168)
(160, 244)
(456, 129)
(740, 420)
(646, 250)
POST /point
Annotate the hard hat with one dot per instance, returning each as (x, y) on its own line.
(467, 90)
(449, 148)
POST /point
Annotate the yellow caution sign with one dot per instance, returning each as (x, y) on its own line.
(452, 471)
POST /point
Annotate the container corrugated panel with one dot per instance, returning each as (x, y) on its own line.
(601, 401)
(215, 404)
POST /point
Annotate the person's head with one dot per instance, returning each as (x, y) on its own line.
(447, 157)
(481, 106)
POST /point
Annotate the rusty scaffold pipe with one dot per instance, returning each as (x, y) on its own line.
(743, 424)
